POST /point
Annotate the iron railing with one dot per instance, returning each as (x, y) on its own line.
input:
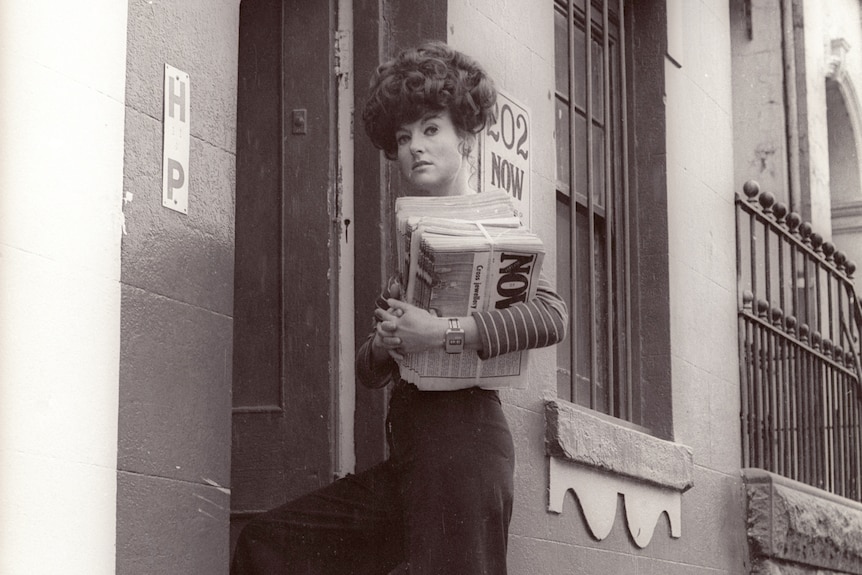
(799, 347)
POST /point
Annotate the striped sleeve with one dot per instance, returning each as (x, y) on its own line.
(541, 322)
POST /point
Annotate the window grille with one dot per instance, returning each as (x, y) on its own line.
(594, 366)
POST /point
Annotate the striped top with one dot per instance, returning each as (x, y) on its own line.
(540, 322)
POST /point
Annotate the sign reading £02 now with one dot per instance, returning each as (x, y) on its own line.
(506, 160)
(175, 142)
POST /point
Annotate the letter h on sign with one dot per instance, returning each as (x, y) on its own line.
(175, 143)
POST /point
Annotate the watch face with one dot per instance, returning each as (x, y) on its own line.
(454, 339)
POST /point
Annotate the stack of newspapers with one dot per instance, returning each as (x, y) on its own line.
(458, 255)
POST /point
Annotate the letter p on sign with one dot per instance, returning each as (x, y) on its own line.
(175, 143)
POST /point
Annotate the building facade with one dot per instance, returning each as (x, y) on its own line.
(190, 249)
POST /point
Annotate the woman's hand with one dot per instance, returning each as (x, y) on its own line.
(385, 344)
(385, 341)
(405, 328)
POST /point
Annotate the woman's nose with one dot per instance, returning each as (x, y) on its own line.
(416, 144)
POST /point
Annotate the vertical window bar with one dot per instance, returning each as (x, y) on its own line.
(857, 443)
(591, 223)
(757, 403)
(784, 380)
(829, 310)
(610, 219)
(805, 407)
(845, 435)
(841, 321)
(831, 426)
(573, 204)
(743, 346)
(759, 394)
(626, 235)
(796, 391)
(806, 293)
(770, 379)
(818, 304)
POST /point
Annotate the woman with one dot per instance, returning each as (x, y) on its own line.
(442, 501)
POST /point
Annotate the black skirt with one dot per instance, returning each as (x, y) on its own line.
(440, 504)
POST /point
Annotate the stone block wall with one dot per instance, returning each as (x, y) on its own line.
(177, 297)
(698, 190)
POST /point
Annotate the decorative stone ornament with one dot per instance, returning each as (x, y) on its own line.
(600, 460)
(599, 492)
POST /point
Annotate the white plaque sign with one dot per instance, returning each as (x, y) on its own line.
(175, 143)
(506, 156)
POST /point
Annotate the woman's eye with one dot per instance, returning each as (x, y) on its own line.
(402, 139)
(431, 130)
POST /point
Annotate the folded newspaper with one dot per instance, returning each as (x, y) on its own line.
(458, 255)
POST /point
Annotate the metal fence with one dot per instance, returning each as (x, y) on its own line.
(799, 346)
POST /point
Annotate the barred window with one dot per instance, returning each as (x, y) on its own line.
(594, 367)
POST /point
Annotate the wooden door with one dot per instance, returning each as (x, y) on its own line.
(285, 363)
(285, 360)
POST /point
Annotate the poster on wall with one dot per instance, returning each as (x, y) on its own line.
(505, 156)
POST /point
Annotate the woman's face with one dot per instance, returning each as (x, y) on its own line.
(429, 155)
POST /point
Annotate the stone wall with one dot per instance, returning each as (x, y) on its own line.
(177, 297)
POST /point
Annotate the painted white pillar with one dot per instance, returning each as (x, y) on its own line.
(62, 105)
(345, 461)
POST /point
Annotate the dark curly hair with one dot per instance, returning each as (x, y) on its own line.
(429, 78)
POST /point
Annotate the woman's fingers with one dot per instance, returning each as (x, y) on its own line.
(386, 337)
(391, 342)
(395, 290)
(386, 317)
(396, 305)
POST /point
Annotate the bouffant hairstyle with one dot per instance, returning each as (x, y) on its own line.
(427, 79)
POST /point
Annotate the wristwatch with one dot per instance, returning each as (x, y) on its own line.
(453, 342)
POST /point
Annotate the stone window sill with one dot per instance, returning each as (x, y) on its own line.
(600, 460)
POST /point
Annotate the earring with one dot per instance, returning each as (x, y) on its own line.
(464, 148)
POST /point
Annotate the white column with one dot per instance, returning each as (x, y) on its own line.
(62, 104)
(345, 461)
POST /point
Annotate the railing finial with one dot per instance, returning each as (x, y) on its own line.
(777, 316)
(817, 242)
(780, 210)
(767, 200)
(747, 300)
(751, 188)
(762, 308)
(840, 259)
(793, 220)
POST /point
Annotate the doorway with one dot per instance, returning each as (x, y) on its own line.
(286, 325)
(285, 359)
